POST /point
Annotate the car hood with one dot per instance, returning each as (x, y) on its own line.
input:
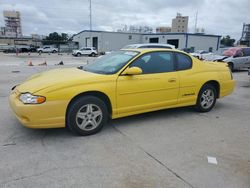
(58, 79)
(228, 59)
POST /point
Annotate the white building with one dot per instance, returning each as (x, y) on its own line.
(108, 41)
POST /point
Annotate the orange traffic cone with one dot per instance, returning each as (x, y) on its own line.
(42, 64)
(30, 63)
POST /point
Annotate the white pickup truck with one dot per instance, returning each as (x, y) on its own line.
(47, 49)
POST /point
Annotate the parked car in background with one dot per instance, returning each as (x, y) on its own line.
(11, 49)
(239, 58)
(122, 83)
(47, 49)
(199, 54)
(90, 51)
(149, 45)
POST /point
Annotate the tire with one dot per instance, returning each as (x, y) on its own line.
(80, 118)
(54, 51)
(92, 54)
(206, 98)
(40, 52)
(231, 66)
(78, 54)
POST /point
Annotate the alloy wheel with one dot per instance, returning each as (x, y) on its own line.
(89, 117)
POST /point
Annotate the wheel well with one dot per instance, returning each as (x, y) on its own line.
(231, 63)
(216, 86)
(97, 94)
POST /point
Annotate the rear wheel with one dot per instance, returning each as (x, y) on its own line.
(92, 54)
(206, 98)
(87, 115)
(78, 54)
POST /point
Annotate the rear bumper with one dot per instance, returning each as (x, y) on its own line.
(227, 87)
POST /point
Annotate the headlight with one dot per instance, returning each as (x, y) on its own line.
(28, 98)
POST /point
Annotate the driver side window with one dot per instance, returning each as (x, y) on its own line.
(155, 62)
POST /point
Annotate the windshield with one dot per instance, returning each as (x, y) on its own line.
(111, 63)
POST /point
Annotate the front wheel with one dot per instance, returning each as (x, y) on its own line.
(87, 115)
(206, 98)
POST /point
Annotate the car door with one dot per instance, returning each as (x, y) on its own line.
(87, 51)
(157, 86)
(188, 89)
(46, 49)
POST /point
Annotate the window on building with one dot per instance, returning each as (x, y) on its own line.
(130, 37)
(210, 49)
(184, 62)
(155, 62)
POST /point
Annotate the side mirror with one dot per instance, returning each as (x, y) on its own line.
(132, 71)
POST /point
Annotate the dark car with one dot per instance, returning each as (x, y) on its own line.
(11, 50)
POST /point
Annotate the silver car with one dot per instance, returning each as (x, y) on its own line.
(239, 60)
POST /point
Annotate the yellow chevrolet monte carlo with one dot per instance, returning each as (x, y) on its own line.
(123, 83)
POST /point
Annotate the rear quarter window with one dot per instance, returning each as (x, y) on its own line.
(184, 62)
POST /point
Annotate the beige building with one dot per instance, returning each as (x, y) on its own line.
(13, 41)
(180, 24)
(163, 29)
(13, 27)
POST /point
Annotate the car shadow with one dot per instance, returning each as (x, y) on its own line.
(65, 133)
(140, 119)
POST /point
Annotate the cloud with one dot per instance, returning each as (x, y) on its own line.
(223, 17)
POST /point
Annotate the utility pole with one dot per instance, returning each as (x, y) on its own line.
(196, 19)
(90, 15)
(90, 24)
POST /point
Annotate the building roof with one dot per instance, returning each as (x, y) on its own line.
(192, 34)
(97, 31)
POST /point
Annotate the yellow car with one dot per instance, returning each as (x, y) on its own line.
(120, 84)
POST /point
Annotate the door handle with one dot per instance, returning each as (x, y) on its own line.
(171, 80)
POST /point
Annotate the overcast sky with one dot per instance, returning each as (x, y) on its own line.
(222, 17)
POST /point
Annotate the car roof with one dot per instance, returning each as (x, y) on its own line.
(145, 50)
(149, 44)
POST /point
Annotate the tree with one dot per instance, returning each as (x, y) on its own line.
(55, 38)
(227, 41)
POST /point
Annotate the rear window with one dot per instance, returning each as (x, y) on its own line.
(184, 62)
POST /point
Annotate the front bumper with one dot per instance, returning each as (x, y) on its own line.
(43, 115)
